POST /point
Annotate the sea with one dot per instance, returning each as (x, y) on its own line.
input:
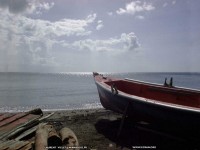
(68, 91)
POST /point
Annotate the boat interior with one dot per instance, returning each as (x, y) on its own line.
(173, 95)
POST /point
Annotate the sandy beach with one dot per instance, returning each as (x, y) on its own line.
(96, 129)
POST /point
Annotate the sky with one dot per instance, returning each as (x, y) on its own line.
(99, 35)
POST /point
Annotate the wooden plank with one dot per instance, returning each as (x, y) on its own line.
(21, 128)
(27, 132)
(3, 143)
(33, 129)
(19, 145)
(7, 144)
(18, 121)
(15, 126)
(11, 119)
(28, 146)
(5, 116)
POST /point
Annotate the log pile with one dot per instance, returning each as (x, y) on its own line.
(17, 130)
(47, 138)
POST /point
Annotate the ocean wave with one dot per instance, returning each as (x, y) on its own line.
(15, 109)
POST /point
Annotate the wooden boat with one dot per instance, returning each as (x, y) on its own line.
(150, 102)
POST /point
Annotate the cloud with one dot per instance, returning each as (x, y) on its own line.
(90, 18)
(27, 41)
(42, 28)
(165, 4)
(126, 42)
(110, 13)
(140, 17)
(46, 6)
(99, 25)
(173, 2)
(130, 41)
(99, 21)
(25, 6)
(134, 7)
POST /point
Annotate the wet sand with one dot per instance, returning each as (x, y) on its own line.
(96, 129)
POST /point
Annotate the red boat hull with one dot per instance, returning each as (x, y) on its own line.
(151, 106)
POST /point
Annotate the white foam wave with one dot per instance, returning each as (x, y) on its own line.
(15, 109)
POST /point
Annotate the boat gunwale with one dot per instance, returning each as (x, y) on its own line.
(149, 101)
(160, 85)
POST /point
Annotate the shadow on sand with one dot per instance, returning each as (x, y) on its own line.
(143, 134)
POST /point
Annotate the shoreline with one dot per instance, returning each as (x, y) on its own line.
(17, 110)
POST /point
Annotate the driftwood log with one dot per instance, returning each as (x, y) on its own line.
(47, 137)
(69, 139)
(54, 140)
(41, 136)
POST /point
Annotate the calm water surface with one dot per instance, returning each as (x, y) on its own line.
(25, 91)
